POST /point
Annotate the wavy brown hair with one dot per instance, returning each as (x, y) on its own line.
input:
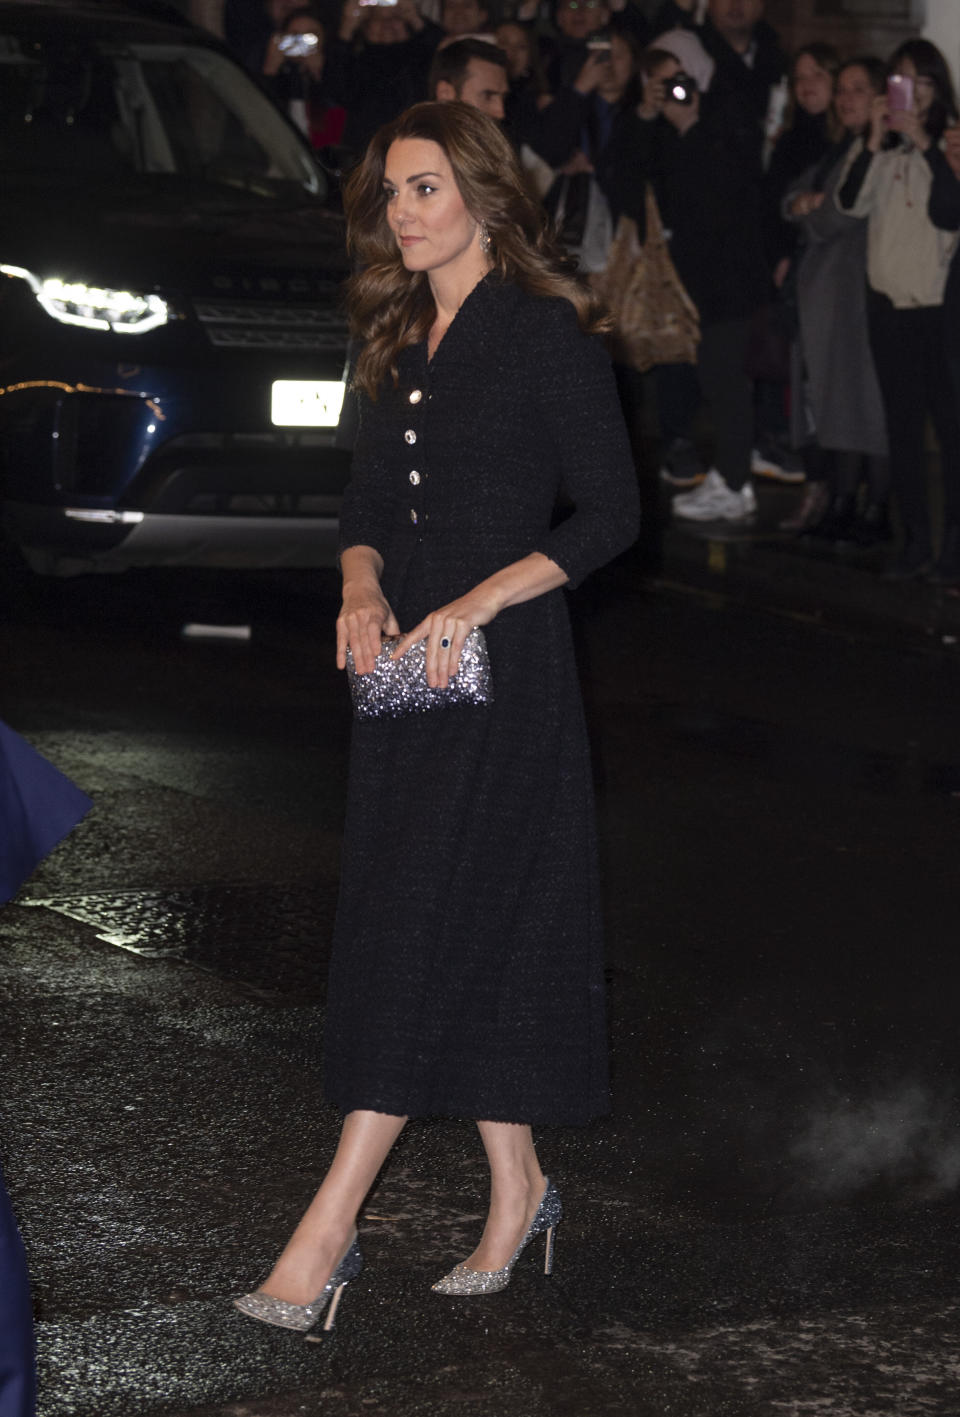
(389, 307)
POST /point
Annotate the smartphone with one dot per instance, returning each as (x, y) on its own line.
(900, 93)
(378, 4)
(298, 46)
(599, 43)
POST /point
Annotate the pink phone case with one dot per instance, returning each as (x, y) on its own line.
(900, 93)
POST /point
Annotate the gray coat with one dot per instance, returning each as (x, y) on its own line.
(832, 367)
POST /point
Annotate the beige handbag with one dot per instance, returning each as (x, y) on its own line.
(655, 321)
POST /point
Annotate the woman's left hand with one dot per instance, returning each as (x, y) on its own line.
(951, 149)
(445, 631)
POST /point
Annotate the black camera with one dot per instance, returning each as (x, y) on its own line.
(681, 89)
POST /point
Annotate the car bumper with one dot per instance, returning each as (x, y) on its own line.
(74, 540)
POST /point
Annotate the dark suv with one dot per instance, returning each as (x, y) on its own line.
(172, 349)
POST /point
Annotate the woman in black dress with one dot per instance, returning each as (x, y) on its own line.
(466, 974)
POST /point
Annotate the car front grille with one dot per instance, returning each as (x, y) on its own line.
(230, 324)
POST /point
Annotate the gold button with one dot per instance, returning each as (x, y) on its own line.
(416, 395)
(413, 516)
(410, 436)
(415, 478)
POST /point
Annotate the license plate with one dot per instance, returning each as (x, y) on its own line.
(306, 403)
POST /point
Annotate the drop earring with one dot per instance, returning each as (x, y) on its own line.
(485, 242)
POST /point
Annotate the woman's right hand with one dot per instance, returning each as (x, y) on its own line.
(364, 619)
(594, 71)
(879, 123)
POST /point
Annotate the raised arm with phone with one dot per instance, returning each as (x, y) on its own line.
(889, 182)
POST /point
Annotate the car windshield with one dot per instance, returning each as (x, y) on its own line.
(100, 113)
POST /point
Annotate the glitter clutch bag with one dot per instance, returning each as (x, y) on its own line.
(396, 687)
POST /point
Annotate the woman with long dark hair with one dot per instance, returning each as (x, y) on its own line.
(466, 974)
(908, 259)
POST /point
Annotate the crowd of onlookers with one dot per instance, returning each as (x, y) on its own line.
(811, 207)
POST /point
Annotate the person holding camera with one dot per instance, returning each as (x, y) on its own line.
(709, 196)
(750, 63)
(293, 71)
(587, 135)
(377, 64)
(888, 181)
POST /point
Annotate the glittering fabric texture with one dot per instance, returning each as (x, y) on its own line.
(462, 1281)
(395, 687)
(301, 1316)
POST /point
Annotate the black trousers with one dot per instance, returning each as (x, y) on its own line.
(719, 379)
(908, 351)
(728, 390)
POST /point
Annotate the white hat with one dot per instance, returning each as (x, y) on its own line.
(690, 53)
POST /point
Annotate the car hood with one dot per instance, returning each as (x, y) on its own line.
(209, 242)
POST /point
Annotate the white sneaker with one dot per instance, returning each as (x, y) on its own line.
(712, 482)
(785, 467)
(714, 501)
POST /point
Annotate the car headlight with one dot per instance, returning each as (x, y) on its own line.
(94, 307)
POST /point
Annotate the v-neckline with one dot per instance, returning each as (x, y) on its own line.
(431, 358)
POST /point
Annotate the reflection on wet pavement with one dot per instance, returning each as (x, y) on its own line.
(766, 1225)
(806, 756)
(269, 938)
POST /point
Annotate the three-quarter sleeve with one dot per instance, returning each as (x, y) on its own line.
(576, 400)
(366, 513)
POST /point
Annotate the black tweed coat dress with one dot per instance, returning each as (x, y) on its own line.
(466, 976)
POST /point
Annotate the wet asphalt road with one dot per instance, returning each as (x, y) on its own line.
(768, 1222)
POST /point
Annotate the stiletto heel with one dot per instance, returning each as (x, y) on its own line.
(302, 1317)
(548, 1254)
(331, 1318)
(462, 1280)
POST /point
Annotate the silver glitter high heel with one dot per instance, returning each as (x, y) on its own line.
(463, 1281)
(303, 1316)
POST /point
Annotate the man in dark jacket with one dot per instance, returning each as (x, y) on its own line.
(710, 201)
(746, 50)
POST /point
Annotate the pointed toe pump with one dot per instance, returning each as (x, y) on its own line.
(302, 1317)
(463, 1281)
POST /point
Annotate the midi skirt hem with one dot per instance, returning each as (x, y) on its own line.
(536, 1117)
